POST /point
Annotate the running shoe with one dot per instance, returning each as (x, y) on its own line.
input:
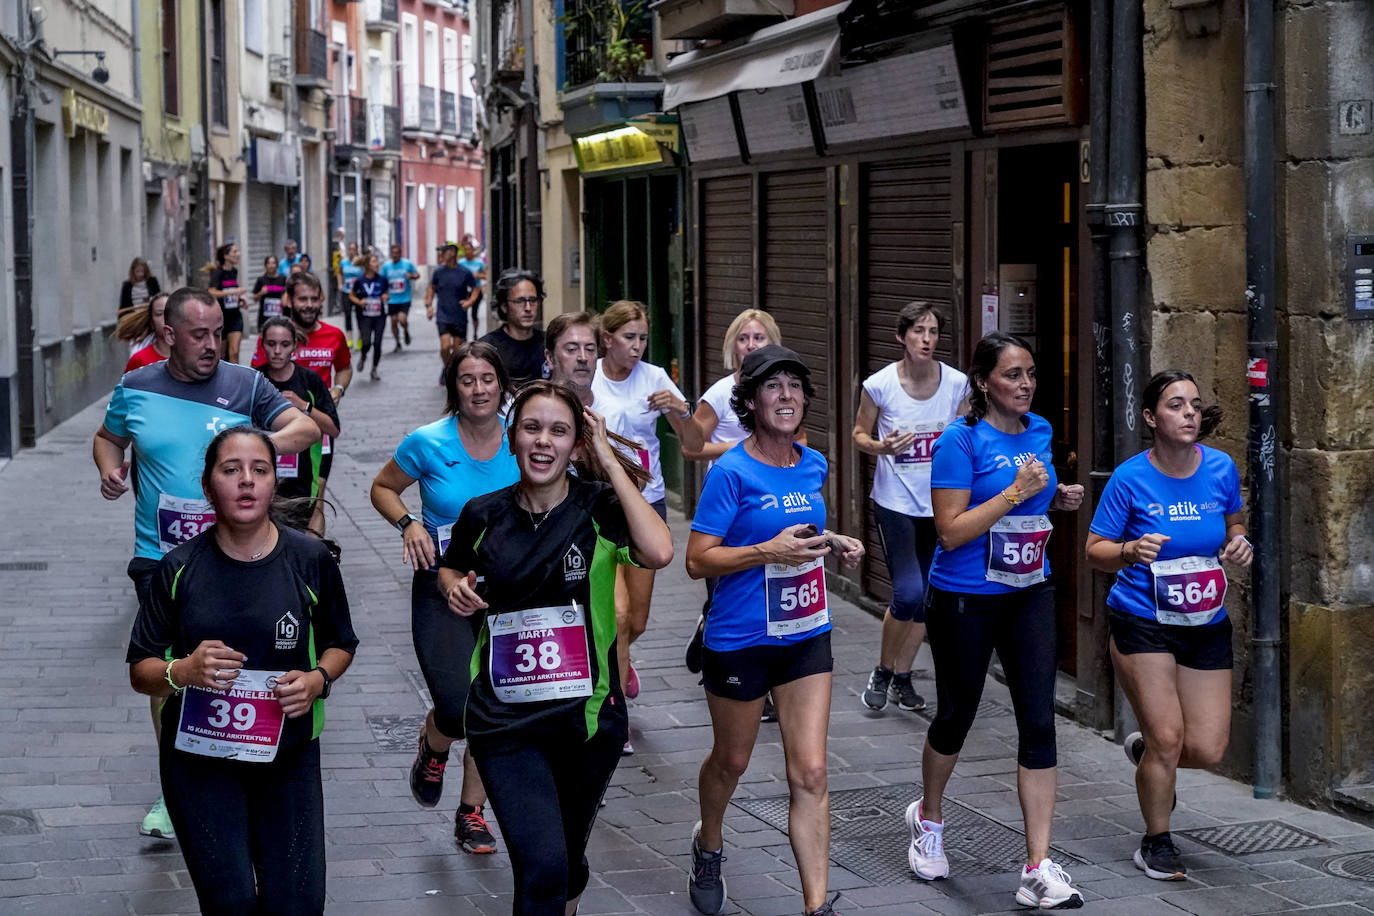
(157, 822)
(472, 834)
(629, 749)
(427, 774)
(770, 712)
(695, 646)
(376, 376)
(1047, 887)
(926, 855)
(875, 696)
(903, 694)
(632, 683)
(1134, 747)
(405, 328)
(825, 909)
(705, 884)
(398, 348)
(1158, 858)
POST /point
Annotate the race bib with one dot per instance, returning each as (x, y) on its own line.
(1189, 591)
(917, 458)
(326, 445)
(398, 285)
(271, 307)
(231, 301)
(288, 466)
(243, 722)
(796, 597)
(540, 654)
(372, 306)
(443, 534)
(1016, 550)
(179, 520)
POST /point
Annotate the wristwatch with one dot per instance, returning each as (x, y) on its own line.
(328, 682)
(404, 521)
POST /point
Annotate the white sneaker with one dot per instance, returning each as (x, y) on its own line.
(926, 855)
(1047, 887)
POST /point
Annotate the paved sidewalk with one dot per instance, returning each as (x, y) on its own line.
(77, 763)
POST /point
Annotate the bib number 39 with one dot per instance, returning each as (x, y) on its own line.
(1016, 550)
(796, 597)
(243, 722)
(1189, 591)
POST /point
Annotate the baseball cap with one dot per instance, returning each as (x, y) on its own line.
(765, 361)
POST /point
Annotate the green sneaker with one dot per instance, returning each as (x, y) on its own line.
(157, 822)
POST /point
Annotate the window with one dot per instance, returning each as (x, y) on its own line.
(171, 61)
(410, 70)
(469, 64)
(431, 60)
(219, 89)
(252, 26)
(452, 66)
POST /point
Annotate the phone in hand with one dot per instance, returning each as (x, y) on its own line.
(808, 532)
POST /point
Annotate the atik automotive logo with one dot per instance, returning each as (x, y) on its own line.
(574, 565)
(1002, 461)
(1184, 511)
(288, 631)
(792, 502)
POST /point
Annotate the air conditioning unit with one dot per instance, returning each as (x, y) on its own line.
(279, 68)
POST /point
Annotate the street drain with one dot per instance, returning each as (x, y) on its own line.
(395, 733)
(988, 709)
(1247, 839)
(868, 834)
(16, 823)
(19, 566)
(1357, 867)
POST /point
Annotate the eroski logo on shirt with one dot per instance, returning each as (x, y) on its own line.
(792, 502)
(288, 630)
(314, 353)
(574, 565)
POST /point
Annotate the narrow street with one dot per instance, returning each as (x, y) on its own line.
(78, 765)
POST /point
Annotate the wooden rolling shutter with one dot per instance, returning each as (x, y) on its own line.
(727, 264)
(1032, 71)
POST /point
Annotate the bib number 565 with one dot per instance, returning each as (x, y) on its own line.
(800, 596)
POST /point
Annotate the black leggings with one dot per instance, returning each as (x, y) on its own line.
(371, 329)
(545, 796)
(963, 631)
(252, 834)
(443, 644)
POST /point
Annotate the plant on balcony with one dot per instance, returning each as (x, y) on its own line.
(609, 37)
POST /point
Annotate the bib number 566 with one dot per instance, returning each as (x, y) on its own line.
(1026, 553)
(800, 596)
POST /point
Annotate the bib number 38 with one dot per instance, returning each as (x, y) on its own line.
(796, 597)
(540, 654)
(1189, 591)
(1016, 550)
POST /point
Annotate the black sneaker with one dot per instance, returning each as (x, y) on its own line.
(770, 712)
(427, 774)
(903, 694)
(825, 909)
(1158, 858)
(705, 885)
(695, 645)
(472, 833)
(406, 329)
(875, 696)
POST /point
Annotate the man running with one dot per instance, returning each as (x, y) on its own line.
(456, 289)
(169, 412)
(472, 260)
(519, 295)
(398, 272)
(293, 254)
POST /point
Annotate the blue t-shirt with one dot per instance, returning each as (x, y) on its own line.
(474, 266)
(1141, 499)
(370, 290)
(449, 477)
(284, 264)
(984, 461)
(745, 501)
(350, 272)
(397, 276)
(170, 423)
(452, 285)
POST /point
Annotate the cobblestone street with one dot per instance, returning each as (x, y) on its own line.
(78, 764)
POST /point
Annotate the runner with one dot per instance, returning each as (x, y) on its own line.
(519, 296)
(632, 394)
(168, 412)
(224, 286)
(348, 272)
(478, 268)
(156, 351)
(369, 295)
(245, 633)
(545, 715)
(267, 292)
(992, 481)
(1169, 517)
(140, 288)
(571, 354)
(760, 527)
(910, 402)
(398, 272)
(460, 456)
(298, 476)
(456, 290)
(292, 255)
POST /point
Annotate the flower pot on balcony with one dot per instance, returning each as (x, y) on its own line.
(596, 106)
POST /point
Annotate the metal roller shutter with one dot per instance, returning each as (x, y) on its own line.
(266, 216)
(727, 263)
(907, 254)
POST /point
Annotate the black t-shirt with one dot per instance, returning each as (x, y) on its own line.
(269, 305)
(282, 612)
(523, 359)
(297, 475)
(225, 278)
(566, 567)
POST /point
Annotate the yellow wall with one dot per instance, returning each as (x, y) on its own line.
(167, 138)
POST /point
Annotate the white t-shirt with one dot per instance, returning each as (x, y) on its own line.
(625, 405)
(728, 428)
(902, 482)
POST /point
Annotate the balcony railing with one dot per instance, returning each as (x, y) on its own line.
(382, 14)
(585, 42)
(312, 55)
(351, 127)
(384, 128)
(410, 99)
(467, 125)
(429, 108)
(448, 112)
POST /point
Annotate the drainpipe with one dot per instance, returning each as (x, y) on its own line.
(21, 188)
(1262, 445)
(531, 238)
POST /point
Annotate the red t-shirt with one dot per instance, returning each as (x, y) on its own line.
(325, 350)
(145, 357)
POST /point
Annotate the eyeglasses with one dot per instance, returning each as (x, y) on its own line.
(526, 300)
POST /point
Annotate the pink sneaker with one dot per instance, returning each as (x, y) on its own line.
(632, 684)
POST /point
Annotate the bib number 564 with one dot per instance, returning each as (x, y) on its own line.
(1026, 553)
(800, 596)
(1193, 593)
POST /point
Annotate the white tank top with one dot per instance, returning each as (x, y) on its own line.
(902, 482)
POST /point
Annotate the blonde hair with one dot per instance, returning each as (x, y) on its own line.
(621, 313)
(770, 327)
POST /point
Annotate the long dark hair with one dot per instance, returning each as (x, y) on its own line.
(508, 280)
(475, 349)
(277, 321)
(981, 367)
(586, 469)
(289, 513)
(1154, 390)
(222, 252)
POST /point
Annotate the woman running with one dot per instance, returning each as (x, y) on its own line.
(268, 291)
(298, 476)
(908, 404)
(992, 483)
(545, 714)
(760, 527)
(139, 289)
(462, 455)
(369, 297)
(224, 286)
(349, 270)
(146, 324)
(246, 630)
(632, 394)
(1168, 519)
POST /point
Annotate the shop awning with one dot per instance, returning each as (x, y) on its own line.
(785, 54)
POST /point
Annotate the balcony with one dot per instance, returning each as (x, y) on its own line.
(382, 16)
(467, 117)
(717, 19)
(429, 108)
(312, 59)
(448, 112)
(350, 122)
(384, 130)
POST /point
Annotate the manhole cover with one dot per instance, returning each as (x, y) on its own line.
(868, 834)
(1246, 839)
(988, 709)
(395, 733)
(15, 566)
(1357, 867)
(16, 823)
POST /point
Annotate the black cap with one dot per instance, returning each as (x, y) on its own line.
(765, 361)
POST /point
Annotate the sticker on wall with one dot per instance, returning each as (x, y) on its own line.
(420, 196)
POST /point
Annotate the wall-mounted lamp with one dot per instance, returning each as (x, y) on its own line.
(99, 74)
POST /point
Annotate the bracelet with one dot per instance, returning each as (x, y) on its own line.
(686, 414)
(1124, 561)
(168, 675)
(1009, 500)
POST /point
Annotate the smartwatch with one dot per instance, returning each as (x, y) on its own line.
(404, 521)
(328, 682)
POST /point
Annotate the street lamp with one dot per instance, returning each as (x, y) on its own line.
(99, 74)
